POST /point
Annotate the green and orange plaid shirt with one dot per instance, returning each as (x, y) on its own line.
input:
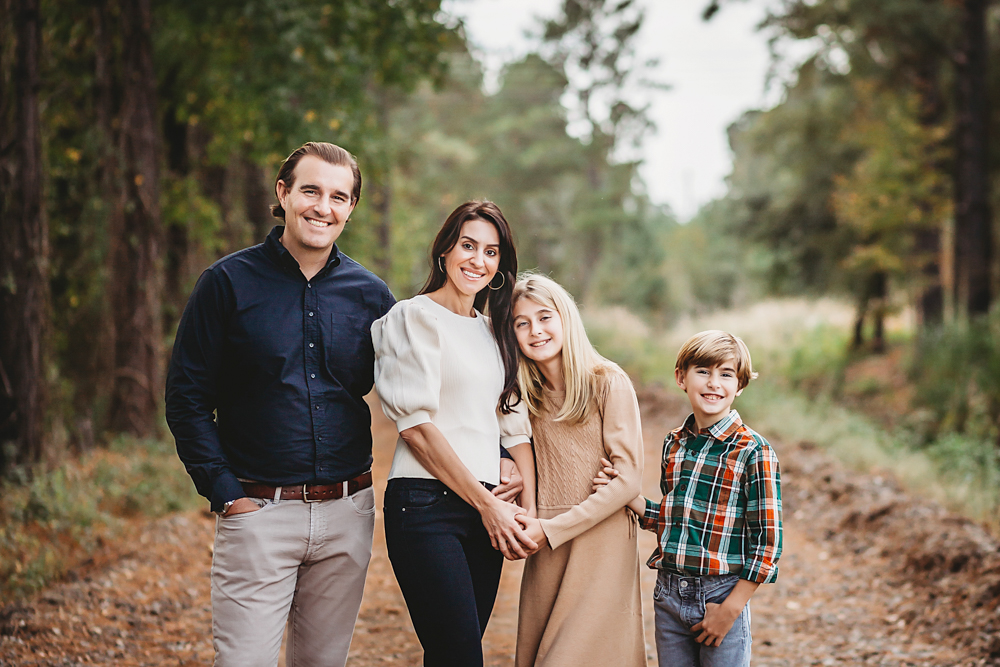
(721, 508)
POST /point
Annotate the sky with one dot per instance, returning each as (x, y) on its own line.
(716, 70)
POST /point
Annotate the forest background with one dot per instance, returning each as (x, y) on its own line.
(139, 139)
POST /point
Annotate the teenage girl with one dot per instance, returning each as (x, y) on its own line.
(580, 591)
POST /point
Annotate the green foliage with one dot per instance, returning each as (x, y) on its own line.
(893, 194)
(785, 164)
(956, 374)
(51, 521)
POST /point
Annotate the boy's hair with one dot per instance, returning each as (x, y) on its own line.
(711, 348)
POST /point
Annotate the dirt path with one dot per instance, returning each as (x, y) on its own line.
(868, 577)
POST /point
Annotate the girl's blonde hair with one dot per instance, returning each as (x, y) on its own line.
(582, 365)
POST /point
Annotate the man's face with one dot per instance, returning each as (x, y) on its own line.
(317, 204)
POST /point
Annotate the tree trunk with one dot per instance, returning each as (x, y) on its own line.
(135, 253)
(929, 241)
(24, 288)
(973, 234)
(880, 295)
(259, 200)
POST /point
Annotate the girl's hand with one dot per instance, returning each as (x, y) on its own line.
(533, 529)
(604, 476)
(506, 534)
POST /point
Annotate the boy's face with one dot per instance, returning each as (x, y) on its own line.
(711, 390)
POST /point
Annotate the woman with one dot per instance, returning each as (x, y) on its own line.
(447, 376)
(580, 592)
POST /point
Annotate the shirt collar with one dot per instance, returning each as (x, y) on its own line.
(720, 430)
(284, 258)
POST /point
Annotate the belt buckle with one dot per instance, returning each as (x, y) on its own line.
(305, 495)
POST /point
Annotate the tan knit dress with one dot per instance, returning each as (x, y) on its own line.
(580, 595)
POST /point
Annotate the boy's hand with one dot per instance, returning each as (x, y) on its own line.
(719, 618)
(604, 476)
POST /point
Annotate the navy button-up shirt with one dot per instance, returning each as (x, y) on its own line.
(269, 371)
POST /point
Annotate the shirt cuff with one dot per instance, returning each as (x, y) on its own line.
(226, 487)
(650, 518)
(416, 419)
(759, 572)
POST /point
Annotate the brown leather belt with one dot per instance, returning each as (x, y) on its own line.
(310, 493)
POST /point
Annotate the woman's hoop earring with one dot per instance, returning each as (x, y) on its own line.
(441, 263)
(503, 281)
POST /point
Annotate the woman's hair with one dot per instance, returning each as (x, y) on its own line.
(328, 153)
(581, 364)
(497, 300)
(712, 348)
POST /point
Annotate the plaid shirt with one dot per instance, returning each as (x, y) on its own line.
(721, 508)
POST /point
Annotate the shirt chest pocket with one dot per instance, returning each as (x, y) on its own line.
(348, 351)
(729, 485)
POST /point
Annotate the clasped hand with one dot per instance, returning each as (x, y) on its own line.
(506, 533)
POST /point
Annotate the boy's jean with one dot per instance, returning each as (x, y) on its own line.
(679, 603)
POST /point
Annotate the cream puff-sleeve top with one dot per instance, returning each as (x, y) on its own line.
(433, 365)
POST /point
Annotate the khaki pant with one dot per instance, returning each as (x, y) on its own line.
(295, 562)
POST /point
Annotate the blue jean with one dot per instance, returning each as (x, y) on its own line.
(446, 567)
(679, 604)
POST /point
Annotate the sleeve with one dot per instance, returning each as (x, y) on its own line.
(192, 389)
(650, 519)
(763, 517)
(407, 364)
(515, 427)
(622, 432)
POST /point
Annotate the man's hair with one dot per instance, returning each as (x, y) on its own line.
(328, 153)
(581, 363)
(711, 348)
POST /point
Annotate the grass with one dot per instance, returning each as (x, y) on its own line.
(800, 349)
(52, 522)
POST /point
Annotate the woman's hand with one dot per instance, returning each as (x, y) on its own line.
(533, 529)
(604, 476)
(506, 534)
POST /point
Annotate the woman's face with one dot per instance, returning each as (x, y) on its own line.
(539, 330)
(472, 263)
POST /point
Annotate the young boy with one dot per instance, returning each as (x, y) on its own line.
(719, 523)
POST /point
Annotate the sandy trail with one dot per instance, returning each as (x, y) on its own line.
(868, 577)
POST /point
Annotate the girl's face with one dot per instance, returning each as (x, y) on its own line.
(475, 258)
(539, 330)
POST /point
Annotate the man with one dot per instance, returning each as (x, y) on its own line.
(275, 341)
(272, 359)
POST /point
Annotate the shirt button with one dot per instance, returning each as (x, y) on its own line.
(684, 584)
(317, 407)
(680, 487)
(309, 285)
(310, 313)
(312, 375)
(312, 345)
